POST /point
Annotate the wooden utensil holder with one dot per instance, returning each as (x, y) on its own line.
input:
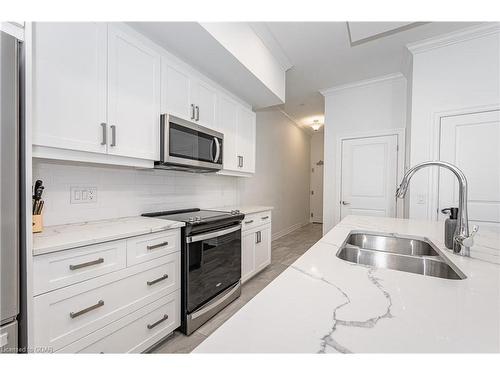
(37, 223)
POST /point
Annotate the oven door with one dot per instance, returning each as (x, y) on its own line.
(214, 264)
(184, 143)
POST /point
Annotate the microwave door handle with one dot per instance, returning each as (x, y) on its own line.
(217, 150)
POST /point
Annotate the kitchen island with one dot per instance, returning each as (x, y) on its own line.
(322, 304)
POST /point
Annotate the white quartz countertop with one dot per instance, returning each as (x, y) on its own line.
(247, 210)
(61, 237)
(322, 304)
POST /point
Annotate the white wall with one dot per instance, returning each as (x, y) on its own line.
(127, 192)
(317, 154)
(241, 40)
(378, 104)
(282, 172)
(449, 77)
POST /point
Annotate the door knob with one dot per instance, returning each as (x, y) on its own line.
(345, 203)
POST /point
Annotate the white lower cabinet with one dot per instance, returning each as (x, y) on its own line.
(255, 244)
(124, 309)
(134, 333)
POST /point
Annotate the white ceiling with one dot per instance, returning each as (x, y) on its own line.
(322, 56)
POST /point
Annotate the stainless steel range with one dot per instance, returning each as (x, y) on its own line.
(211, 262)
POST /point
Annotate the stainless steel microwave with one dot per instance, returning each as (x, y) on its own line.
(187, 146)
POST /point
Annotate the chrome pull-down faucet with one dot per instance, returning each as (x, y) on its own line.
(463, 240)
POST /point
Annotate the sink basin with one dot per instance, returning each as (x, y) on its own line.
(398, 253)
(392, 244)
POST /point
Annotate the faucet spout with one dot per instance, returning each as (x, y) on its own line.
(463, 240)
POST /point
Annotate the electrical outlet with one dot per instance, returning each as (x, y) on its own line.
(83, 194)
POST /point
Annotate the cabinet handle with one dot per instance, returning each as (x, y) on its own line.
(152, 247)
(164, 277)
(265, 217)
(104, 134)
(73, 315)
(151, 326)
(113, 135)
(197, 113)
(73, 267)
(242, 162)
(249, 222)
(192, 111)
(259, 237)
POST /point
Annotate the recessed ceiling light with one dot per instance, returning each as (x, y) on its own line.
(316, 125)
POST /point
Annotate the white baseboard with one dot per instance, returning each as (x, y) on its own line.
(286, 231)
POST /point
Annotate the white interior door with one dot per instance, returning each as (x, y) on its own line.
(472, 143)
(369, 176)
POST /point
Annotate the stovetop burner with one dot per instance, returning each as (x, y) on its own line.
(195, 215)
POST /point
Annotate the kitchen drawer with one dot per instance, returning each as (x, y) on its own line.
(144, 248)
(66, 315)
(64, 268)
(136, 332)
(255, 220)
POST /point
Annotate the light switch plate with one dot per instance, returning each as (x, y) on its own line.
(83, 194)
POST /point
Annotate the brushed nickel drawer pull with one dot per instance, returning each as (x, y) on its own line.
(151, 326)
(249, 222)
(73, 267)
(265, 217)
(157, 280)
(152, 247)
(86, 310)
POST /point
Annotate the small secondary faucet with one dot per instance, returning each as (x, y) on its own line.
(463, 241)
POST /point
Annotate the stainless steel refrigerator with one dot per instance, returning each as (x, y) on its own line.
(9, 192)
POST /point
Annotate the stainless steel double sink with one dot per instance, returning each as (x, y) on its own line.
(401, 253)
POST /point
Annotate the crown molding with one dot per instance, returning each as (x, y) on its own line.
(269, 40)
(365, 82)
(463, 35)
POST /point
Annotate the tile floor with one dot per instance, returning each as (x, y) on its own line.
(285, 251)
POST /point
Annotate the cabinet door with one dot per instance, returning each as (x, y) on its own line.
(227, 124)
(133, 97)
(247, 255)
(176, 92)
(69, 85)
(205, 100)
(246, 140)
(263, 248)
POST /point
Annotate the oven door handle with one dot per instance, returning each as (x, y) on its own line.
(209, 235)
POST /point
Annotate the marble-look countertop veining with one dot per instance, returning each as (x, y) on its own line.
(61, 237)
(322, 304)
(247, 210)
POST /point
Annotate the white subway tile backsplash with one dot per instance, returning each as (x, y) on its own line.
(127, 192)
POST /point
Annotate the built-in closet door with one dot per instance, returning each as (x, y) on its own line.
(472, 142)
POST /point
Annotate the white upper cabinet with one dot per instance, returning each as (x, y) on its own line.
(176, 92)
(238, 125)
(133, 97)
(69, 85)
(246, 140)
(205, 101)
(227, 124)
(187, 97)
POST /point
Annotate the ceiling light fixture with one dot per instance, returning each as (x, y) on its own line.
(316, 125)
